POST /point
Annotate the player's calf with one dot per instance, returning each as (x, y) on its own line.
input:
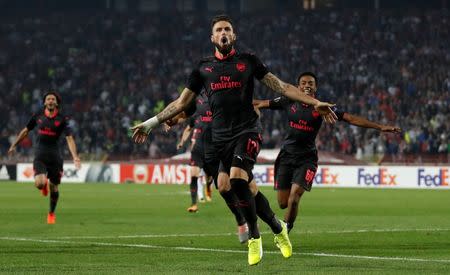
(283, 198)
(246, 204)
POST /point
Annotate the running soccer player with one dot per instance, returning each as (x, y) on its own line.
(199, 126)
(263, 209)
(296, 164)
(211, 167)
(228, 80)
(48, 163)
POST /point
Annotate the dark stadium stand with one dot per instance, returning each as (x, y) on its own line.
(115, 69)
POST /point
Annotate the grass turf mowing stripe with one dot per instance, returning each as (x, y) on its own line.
(226, 250)
(264, 232)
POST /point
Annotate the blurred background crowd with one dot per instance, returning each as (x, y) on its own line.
(116, 69)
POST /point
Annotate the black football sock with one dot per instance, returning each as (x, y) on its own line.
(266, 214)
(289, 225)
(232, 203)
(193, 188)
(54, 196)
(247, 205)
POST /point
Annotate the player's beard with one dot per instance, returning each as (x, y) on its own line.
(51, 107)
(224, 49)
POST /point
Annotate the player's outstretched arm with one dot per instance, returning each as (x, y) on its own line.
(363, 122)
(23, 133)
(290, 91)
(73, 151)
(141, 131)
(261, 104)
(178, 119)
(184, 137)
(181, 117)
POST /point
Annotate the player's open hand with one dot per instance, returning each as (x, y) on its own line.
(257, 111)
(140, 133)
(168, 124)
(324, 109)
(11, 150)
(166, 127)
(329, 118)
(77, 163)
(179, 145)
(171, 122)
(391, 129)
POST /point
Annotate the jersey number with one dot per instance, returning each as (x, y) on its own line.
(252, 148)
(309, 176)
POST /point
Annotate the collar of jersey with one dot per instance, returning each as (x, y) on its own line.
(47, 113)
(216, 54)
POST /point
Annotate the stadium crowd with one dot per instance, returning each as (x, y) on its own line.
(115, 69)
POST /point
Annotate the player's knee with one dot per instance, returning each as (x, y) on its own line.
(244, 164)
(253, 188)
(40, 183)
(223, 189)
(283, 198)
(282, 204)
(53, 188)
(223, 182)
(297, 191)
(195, 171)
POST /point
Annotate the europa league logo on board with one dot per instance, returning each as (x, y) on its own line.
(140, 173)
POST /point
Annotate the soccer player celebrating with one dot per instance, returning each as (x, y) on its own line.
(296, 164)
(228, 80)
(199, 126)
(263, 209)
(48, 164)
(211, 164)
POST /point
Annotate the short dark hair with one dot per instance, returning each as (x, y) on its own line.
(58, 97)
(307, 74)
(221, 17)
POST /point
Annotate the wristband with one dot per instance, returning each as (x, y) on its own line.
(150, 123)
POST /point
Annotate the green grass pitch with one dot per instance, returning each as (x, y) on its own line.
(132, 229)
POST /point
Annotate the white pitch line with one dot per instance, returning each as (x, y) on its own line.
(375, 257)
(225, 250)
(378, 230)
(265, 232)
(148, 236)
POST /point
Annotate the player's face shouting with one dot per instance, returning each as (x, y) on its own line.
(50, 102)
(307, 84)
(223, 36)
